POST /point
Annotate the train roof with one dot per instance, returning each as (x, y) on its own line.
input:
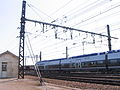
(93, 54)
(52, 60)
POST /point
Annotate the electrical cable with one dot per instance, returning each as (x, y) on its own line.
(30, 5)
(81, 4)
(97, 15)
(98, 19)
(36, 67)
(86, 9)
(52, 38)
(35, 12)
(61, 7)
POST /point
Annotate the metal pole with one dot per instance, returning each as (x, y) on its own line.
(40, 55)
(106, 62)
(66, 52)
(21, 45)
(109, 38)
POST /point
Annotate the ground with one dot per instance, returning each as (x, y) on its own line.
(21, 84)
(29, 83)
(32, 83)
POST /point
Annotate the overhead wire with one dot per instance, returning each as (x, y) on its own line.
(49, 46)
(45, 42)
(85, 9)
(62, 7)
(56, 51)
(48, 37)
(44, 13)
(33, 60)
(81, 4)
(35, 12)
(56, 43)
(30, 5)
(97, 15)
(81, 25)
(11, 40)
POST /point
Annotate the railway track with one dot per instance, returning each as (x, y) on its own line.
(87, 77)
(106, 79)
(91, 80)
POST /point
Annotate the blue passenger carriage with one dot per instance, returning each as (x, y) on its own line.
(97, 62)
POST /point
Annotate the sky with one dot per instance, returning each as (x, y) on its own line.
(9, 22)
(88, 15)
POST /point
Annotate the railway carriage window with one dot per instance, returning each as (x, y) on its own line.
(46, 67)
(87, 63)
(118, 61)
(113, 62)
(66, 65)
(93, 63)
(100, 63)
(83, 64)
(53, 66)
(41, 67)
(71, 65)
(77, 65)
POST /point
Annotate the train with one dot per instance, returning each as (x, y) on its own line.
(108, 61)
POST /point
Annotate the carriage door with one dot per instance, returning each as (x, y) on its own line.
(79, 63)
(4, 69)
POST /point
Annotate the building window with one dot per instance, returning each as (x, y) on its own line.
(4, 66)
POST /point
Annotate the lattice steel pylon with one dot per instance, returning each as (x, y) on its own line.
(21, 44)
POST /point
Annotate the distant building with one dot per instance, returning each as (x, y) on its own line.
(8, 65)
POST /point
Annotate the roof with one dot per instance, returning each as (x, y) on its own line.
(8, 52)
(86, 55)
(52, 60)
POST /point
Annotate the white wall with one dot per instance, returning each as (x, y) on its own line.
(12, 66)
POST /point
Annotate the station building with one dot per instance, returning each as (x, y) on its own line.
(8, 65)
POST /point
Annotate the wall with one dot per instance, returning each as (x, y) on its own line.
(12, 66)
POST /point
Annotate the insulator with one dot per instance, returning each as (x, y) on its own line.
(43, 28)
(94, 41)
(55, 35)
(93, 36)
(71, 34)
(46, 26)
(65, 31)
(35, 24)
(86, 36)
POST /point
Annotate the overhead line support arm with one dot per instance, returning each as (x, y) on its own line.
(67, 28)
